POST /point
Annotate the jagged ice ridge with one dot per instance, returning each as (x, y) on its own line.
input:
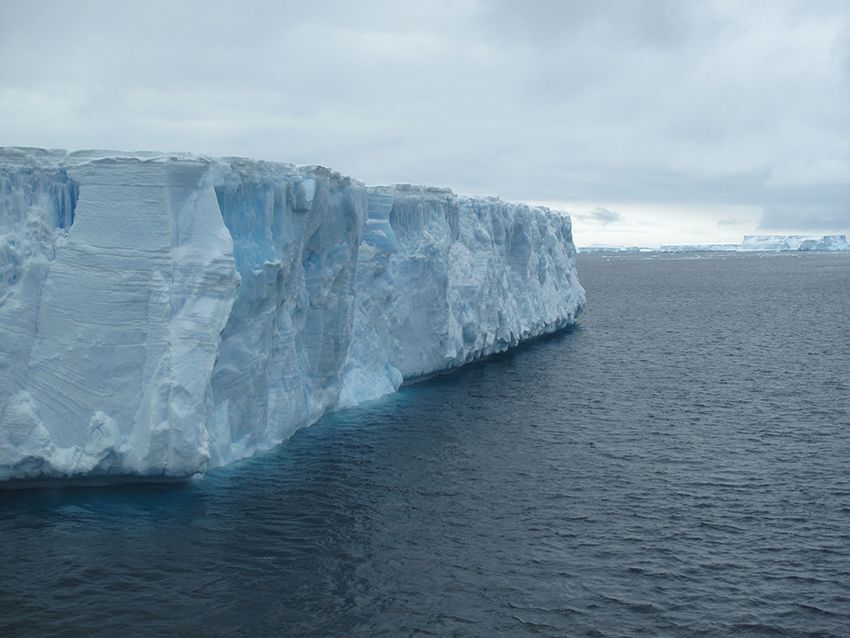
(164, 314)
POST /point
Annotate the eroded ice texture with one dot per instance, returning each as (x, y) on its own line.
(165, 314)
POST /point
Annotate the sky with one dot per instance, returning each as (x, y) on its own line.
(652, 121)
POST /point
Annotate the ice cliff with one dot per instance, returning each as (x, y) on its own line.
(163, 314)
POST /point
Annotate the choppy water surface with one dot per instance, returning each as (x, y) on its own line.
(677, 466)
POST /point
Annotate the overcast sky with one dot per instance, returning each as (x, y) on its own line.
(650, 121)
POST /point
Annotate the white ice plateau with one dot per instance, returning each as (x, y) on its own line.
(163, 314)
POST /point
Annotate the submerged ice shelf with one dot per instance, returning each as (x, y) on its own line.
(163, 314)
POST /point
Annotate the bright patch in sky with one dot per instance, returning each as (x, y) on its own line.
(651, 225)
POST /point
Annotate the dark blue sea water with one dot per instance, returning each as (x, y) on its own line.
(679, 465)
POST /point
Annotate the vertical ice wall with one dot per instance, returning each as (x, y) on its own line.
(443, 279)
(111, 334)
(167, 313)
(296, 234)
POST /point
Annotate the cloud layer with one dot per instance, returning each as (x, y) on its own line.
(694, 107)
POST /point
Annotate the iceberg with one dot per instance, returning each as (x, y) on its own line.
(699, 248)
(769, 243)
(164, 314)
(830, 243)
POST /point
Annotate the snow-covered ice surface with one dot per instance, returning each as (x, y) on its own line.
(163, 314)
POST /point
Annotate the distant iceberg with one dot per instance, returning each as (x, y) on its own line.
(690, 248)
(613, 249)
(769, 243)
(163, 314)
(795, 242)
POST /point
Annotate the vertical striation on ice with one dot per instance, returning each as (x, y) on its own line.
(167, 313)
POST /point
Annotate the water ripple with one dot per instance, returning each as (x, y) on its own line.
(676, 466)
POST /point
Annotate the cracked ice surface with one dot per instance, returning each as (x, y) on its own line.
(163, 314)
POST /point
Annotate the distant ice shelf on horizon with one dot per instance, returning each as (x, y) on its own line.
(168, 313)
(751, 243)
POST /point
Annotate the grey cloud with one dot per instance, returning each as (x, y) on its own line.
(657, 102)
(549, 23)
(806, 218)
(601, 215)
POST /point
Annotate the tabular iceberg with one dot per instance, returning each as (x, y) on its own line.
(769, 243)
(163, 314)
(829, 243)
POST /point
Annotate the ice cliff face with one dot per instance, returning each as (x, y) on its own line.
(165, 314)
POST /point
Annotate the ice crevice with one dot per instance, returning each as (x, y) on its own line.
(167, 313)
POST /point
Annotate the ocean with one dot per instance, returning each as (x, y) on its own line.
(678, 464)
